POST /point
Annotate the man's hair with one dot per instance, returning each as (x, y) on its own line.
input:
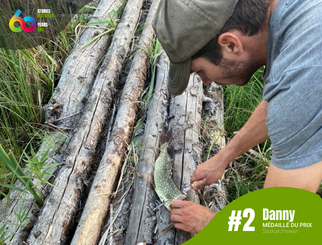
(249, 17)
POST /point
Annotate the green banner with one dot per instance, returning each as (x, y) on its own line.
(277, 215)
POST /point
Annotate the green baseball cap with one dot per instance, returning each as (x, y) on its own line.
(183, 27)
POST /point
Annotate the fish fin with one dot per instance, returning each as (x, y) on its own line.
(168, 135)
(181, 197)
(163, 138)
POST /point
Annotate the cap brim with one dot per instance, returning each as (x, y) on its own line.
(179, 77)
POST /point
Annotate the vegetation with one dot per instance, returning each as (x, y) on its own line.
(27, 80)
(248, 172)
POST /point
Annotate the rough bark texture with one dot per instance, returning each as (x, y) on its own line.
(142, 218)
(58, 212)
(215, 195)
(81, 117)
(148, 223)
(90, 224)
(185, 114)
(62, 113)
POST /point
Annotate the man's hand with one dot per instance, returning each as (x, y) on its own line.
(189, 216)
(251, 134)
(207, 173)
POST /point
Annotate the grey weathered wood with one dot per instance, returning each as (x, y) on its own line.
(95, 211)
(142, 218)
(186, 150)
(58, 212)
(63, 112)
(164, 234)
(215, 195)
(185, 114)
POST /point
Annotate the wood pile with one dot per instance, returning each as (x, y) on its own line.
(106, 141)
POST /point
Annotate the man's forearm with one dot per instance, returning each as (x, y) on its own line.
(252, 133)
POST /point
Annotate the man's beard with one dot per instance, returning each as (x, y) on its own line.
(238, 72)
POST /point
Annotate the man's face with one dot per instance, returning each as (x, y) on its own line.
(226, 73)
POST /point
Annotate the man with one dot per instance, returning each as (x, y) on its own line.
(226, 41)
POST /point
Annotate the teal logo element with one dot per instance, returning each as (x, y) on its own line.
(277, 215)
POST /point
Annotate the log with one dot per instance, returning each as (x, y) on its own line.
(215, 195)
(98, 201)
(214, 113)
(142, 218)
(116, 225)
(55, 220)
(185, 114)
(63, 113)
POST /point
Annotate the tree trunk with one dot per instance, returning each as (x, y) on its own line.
(63, 113)
(185, 114)
(95, 211)
(56, 217)
(215, 195)
(185, 149)
(142, 218)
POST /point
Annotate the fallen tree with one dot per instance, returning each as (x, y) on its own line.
(63, 113)
(142, 218)
(215, 195)
(95, 211)
(186, 148)
(58, 212)
(145, 220)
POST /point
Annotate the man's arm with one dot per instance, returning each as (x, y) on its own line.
(191, 217)
(252, 133)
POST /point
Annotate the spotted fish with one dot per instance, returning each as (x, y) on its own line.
(164, 185)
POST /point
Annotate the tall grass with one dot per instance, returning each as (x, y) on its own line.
(27, 80)
(248, 172)
(240, 102)
(24, 86)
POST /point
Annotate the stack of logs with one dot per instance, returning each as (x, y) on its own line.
(80, 109)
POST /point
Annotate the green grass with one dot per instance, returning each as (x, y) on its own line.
(27, 80)
(240, 102)
(24, 87)
(11, 164)
(248, 172)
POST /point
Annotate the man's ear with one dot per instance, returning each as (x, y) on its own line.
(230, 44)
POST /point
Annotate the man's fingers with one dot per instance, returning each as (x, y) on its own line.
(197, 185)
(179, 226)
(196, 177)
(175, 218)
(176, 211)
(177, 204)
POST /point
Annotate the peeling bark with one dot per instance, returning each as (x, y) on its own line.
(185, 114)
(95, 211)
(63, 113)
(58, 212)
(215, 195)
(142, 218)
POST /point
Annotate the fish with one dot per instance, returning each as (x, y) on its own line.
(164, 186)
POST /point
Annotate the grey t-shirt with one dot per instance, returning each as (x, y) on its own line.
(293, 83)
